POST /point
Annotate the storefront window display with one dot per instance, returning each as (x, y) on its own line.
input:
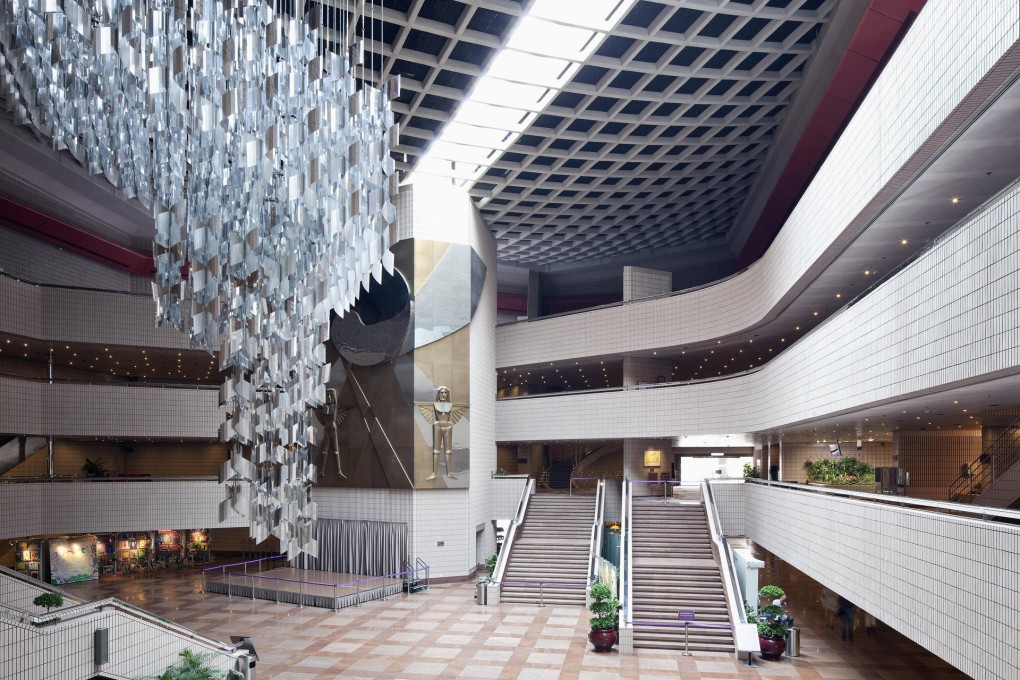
(106, 554)
(28, 558)
(169, 548)
(73, 560)
(198, 546)
(134, 551)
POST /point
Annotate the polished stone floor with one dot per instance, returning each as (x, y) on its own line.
(441, 633)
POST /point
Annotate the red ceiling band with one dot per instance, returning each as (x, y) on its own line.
(883, 25)
(75, 239)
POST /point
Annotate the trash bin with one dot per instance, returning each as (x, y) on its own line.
(793, 642)
(481, 590)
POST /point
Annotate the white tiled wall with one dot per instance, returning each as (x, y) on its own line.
(64, 651)
(443, 522)
(30, 509)
(729, 502)
(505, 495)
(67, 315)
(639, 282)
(30, 259)
(20, 594)
(949, 583)
(81, 410)
(950, 316)
(949, 48)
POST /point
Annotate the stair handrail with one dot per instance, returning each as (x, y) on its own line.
(729, 574)
(996, 459)
(69, 614)
(626, 552)
(41, 585)
(504, 553)
(595, 540)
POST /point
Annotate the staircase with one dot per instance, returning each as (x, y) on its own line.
(993, 479)
(10, 451)
(43, 639)
(552, 546)
(673, 568)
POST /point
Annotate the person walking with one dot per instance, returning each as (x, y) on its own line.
(847, 614)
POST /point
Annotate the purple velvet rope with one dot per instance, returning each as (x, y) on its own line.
(691, 624)
(539, 583)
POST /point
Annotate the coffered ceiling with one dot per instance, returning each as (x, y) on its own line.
(651, 153)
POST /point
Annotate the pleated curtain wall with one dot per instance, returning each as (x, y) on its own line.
(358, 547)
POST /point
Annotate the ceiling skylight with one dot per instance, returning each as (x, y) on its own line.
(543, 53)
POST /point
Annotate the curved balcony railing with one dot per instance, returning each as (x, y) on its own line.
(111, 383)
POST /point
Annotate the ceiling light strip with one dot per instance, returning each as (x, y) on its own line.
(546, 48)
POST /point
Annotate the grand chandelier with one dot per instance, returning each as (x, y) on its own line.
(266, 163)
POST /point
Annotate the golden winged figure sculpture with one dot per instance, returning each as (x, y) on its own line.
(443, 414)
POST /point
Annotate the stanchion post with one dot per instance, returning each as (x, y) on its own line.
(301, 594)
(334, 597)
(687, 625)
(357, 593)
(228, 581)
(541, 594)
(277, 590)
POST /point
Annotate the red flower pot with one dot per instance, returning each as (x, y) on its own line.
(602, 640)
(771, 647)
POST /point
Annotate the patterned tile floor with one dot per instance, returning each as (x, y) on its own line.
(441, 633)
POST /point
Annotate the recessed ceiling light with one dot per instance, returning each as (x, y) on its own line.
(954, 200)
(903, 242)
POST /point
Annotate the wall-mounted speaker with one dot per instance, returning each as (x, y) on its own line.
(101, 645)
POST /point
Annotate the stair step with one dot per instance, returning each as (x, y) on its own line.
(674, 568)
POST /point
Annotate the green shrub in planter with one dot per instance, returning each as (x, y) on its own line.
(49, 600)
(842, 471)
(192, 666)
(490, 563)
(605, 607)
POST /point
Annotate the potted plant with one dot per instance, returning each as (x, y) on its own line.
(94, 468)
(772, 622)
(606, 615)
(490, 563)
(192, 666)
(751, 471)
